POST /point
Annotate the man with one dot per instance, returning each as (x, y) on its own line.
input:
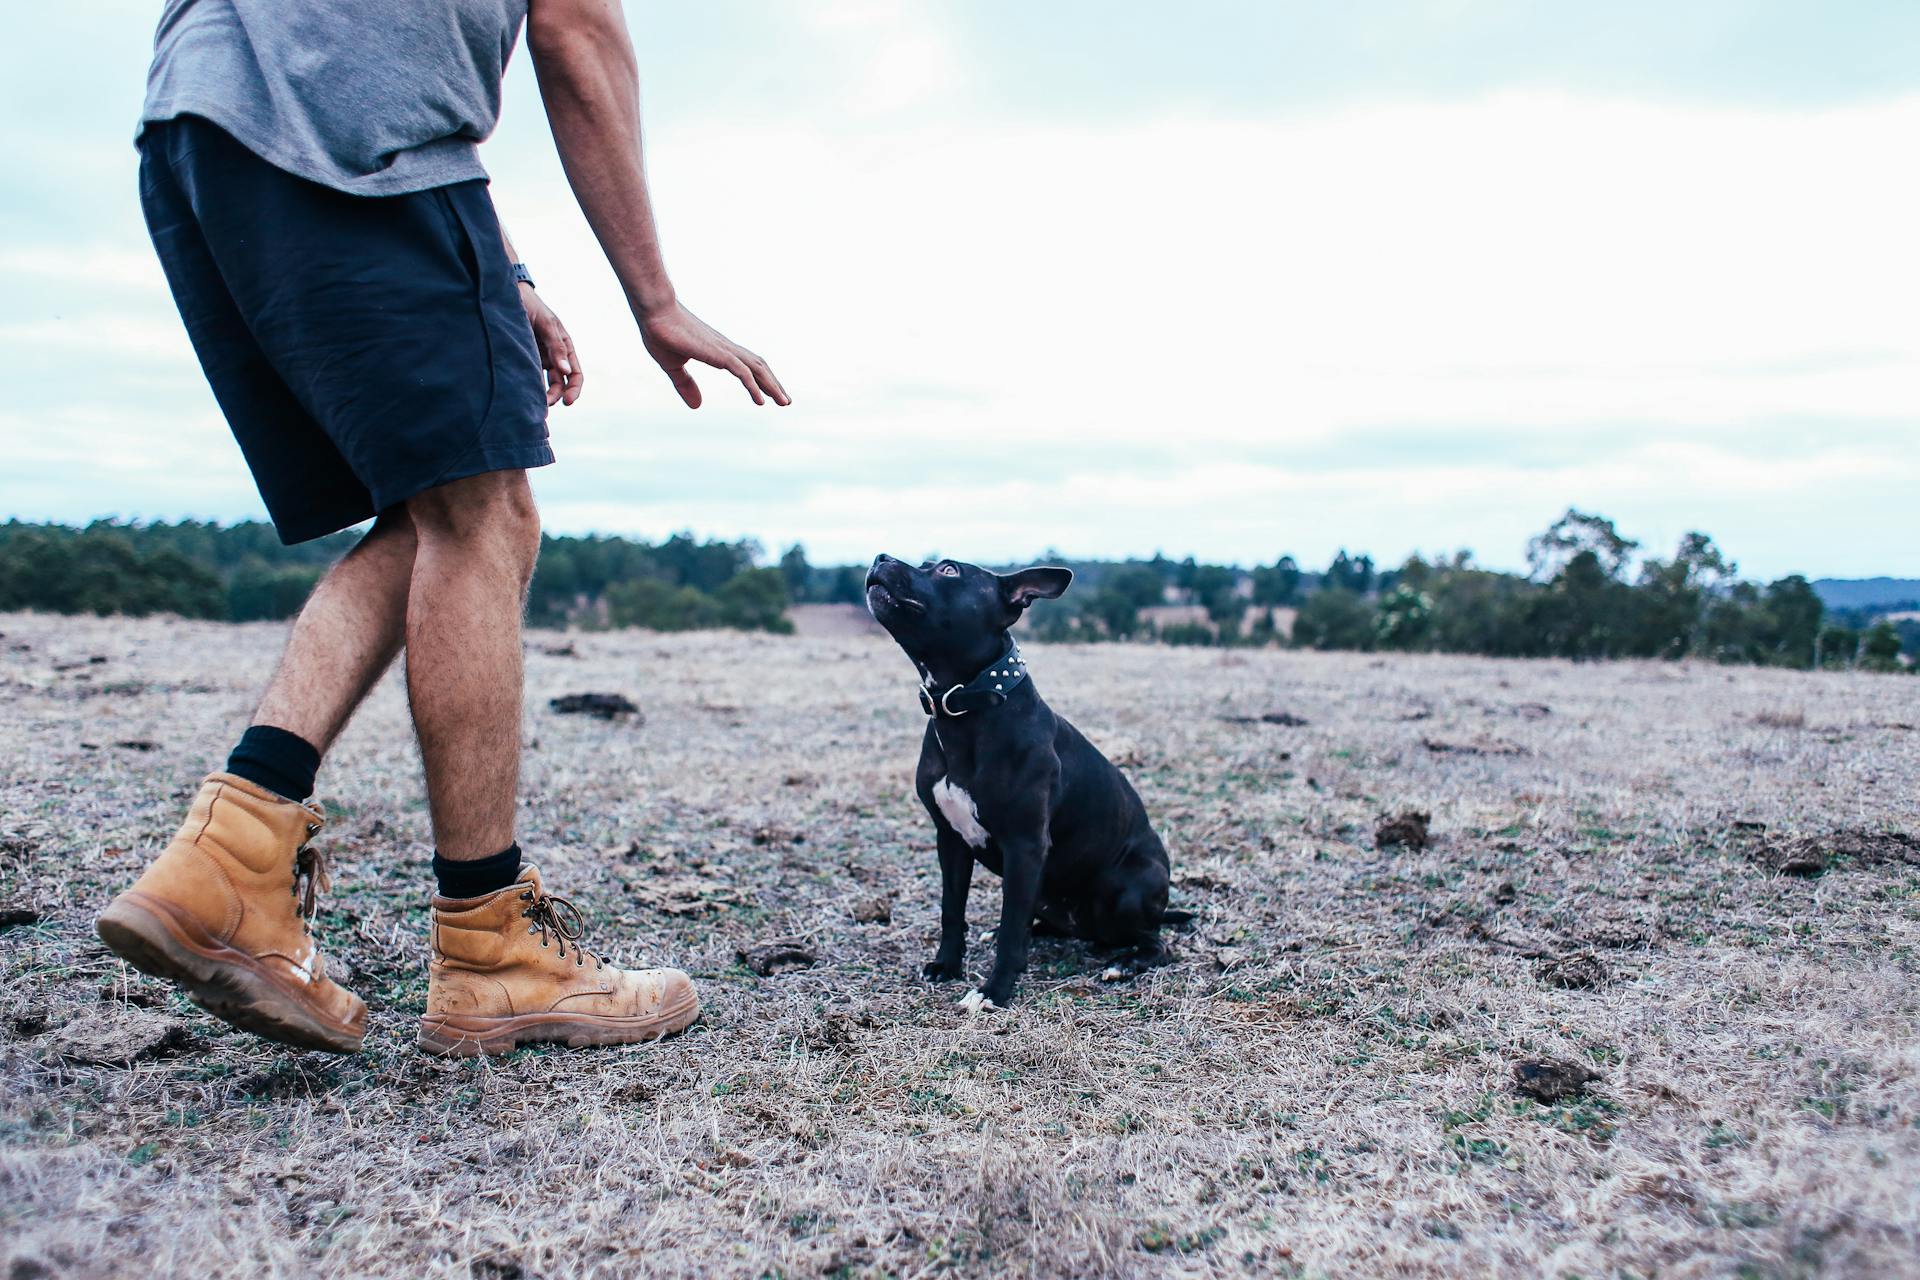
(310, 176)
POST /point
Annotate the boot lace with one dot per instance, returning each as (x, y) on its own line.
(557, 920)
(311, 878)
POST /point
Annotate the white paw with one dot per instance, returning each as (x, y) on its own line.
(1113, 973)
(973, 1002)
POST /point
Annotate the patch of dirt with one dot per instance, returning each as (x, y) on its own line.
(1285, 719)
(1875, 848)
(1552, 1080)
(769, 958)
(1805, 855)
(1615, 935)
(30, 1021)
(1791, 856)
(1579, 970)
(1407, 830)
(873, 911)
(601, 706)
(115, 1037)
(15, 916)
(1472, 747)
(841, 1031)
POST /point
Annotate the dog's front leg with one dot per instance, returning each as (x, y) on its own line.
(1020, 891)
(956, 880)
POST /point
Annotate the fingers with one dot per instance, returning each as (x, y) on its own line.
(683, 383)
(570, 369)
(738, 368)
(763, 375)
(565, 378)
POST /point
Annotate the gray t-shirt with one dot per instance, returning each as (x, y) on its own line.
(372, 97)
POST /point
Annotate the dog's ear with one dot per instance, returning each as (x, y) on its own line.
(1042, 582)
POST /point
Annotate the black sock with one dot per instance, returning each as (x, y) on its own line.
(284, 763)
(476, 876)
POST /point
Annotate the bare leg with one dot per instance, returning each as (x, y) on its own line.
(477, 541)
(345, 637)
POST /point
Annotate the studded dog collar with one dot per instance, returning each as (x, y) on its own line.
(988, 689)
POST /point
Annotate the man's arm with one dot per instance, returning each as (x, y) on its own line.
(590, 82)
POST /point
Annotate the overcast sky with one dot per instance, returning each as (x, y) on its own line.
(1227, 279)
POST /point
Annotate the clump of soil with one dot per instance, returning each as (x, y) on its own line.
(841, 1031)
(1579, 970)
(1407, 830)
(1875, 848)
(1472, 747)
(1551, 1080)
(118, 1038)
(1811, 855)
(601, 706)
(769, 958)
(1782, 855)
(873, 911)
(1618, 935)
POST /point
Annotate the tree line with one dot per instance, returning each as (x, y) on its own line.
(1585, 593)
(1584, 596)
(242, 573)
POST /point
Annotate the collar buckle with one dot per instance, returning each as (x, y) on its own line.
(995, 682)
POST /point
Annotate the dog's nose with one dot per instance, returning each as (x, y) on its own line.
(884, 558)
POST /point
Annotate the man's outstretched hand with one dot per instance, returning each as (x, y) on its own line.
(674, 336)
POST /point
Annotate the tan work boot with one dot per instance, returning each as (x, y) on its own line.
(507, 968)
(225, 911)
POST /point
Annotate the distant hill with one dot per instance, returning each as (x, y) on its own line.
(1865, 593)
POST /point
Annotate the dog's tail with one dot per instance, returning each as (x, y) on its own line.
(1177, 915)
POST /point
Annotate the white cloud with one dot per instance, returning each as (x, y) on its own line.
(1523, 266)
(1217, 294)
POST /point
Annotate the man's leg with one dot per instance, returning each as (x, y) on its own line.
(345, 637)
(506, 963)
(477, 540)
(212, 912)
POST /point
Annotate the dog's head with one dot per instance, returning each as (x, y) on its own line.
(951, 616)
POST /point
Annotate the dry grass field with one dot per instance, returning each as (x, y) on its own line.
(1322, 1084)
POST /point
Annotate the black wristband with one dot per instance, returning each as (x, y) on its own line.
(523, 276)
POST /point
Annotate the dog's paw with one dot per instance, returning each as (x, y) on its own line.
(934, 971)
(974, 1001)
(1115, 973)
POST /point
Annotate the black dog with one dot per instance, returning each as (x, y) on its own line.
(1010, 784)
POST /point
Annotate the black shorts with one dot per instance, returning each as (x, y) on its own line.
(362, 348)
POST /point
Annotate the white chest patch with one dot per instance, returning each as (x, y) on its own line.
(960, 813)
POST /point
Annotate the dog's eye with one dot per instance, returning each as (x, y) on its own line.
(948, 570)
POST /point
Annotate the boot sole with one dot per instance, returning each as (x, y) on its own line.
(462, 1036)
(229, 984)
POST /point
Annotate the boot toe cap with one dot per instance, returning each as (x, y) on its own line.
(676, 989)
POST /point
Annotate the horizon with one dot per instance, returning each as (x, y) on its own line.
(769, 554)
(1233, 285)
